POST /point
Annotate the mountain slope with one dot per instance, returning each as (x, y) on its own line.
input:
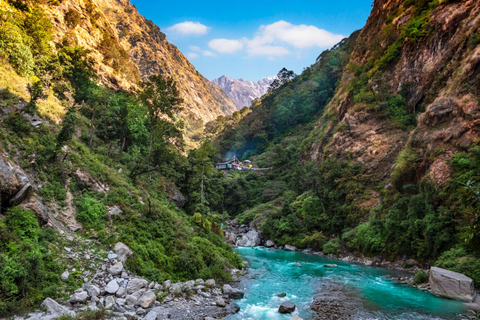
(153, 54)
(387, 162)
(243, 92)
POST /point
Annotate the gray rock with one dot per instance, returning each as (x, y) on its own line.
(53, 307)
(250, 239)
(290, 248)
(282, 295)
(65, 275)
(269, 244)
(123, 251)
(79, 297)
(220, 302)
(109, 302)
(189, 284)
(331, 265)
(121, 292)
(152, 315)
(21, 195)
(296, 317)
(140, 311)
(297, 264)
(112, 286)
(130, 300)
(112, 256)
(116, 269)
(118, 308)
(453, 285)
(167, 284)
(286, 307)
(93, 291)
(113, 211)
(146, 300)
(210, 282)
(233, 293)
(175, 288)
(233, 308)
(136, 284)
(199, 281)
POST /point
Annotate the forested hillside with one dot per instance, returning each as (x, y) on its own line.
(374, 148)
(82, 158)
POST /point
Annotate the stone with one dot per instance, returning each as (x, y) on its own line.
(21, 195)
(452, 285)
(112, 286)
(113, 211)
(123, 251)
(112, 256)
(140, 311)
(118, 308)
(286, 307)
(41, 212)
(190, 284)
(167, 284)
(130, 300)
(210, 282)
(146, 300)
(86, 181)
(121, 292)
(79, 297)
(53, 307)
(250, 239)
(269, 244)
(179, 199)
(297, 264)
(199, 282)
(136, 284)
(65, 275)
(282, 295)
(109, 302)
(175, 288)
(290, 248)
(220, 302)
(93, 291)
(116, 269)
(233, 308)
(296, 317)
(331, 265)
(233, 293)
(152, 315)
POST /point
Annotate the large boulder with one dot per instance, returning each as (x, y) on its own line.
(53, 308)
(286, 307)
(122, 251)
(136, 284)
(38, 208)
(112, 286)
(86, 181)
(175, 195)
(453, 285)
(269, 243)
(116, 269)
(14, 184)
(79, 297)
(233, 293)
(290, 248)
(146, 300)
(250, 239)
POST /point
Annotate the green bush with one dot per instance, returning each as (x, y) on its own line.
(14, 42)
(91, 213)
(53, 191)
(459, 260)
(420, 277)
(332, 246)
(28, 271)
(73, 18)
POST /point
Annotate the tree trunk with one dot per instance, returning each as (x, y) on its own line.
(92, 130)
(202, 197)
(123, 145)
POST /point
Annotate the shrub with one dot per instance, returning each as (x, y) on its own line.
(14, 42)
(91, 213)
(332, 246)
(459, 260)
(420, 277)
(72, 18)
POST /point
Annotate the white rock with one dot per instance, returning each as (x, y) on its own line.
(79, 297)
(112, 286)
(53, 307)
(112, 256)
(152, 315)
(136, 284)
(123, 251)
(290, 248)
(113, 211)
(93, 291)
(121, 292)
(210, 282)
(65, 275)
(453, 285)
(109, 302)
(146, 300)
(116, 269)
(250, 239)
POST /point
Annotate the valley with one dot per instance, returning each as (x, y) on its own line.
(354, 190)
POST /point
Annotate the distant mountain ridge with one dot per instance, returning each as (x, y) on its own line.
(243, 92)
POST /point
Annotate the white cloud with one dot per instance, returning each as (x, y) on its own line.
(208, 53)
(192, 55)
(225, 45)
(298, 36)
(195, 48)
(189, 28)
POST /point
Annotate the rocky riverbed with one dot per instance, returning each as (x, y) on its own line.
(125, 296)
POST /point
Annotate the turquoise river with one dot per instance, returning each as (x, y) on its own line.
(365, 290)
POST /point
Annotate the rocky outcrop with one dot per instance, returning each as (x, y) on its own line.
(243, 92)
(286, 307)
(85, 181)
(14, 184)
(233, 293)
(249, 239)
(453, 285)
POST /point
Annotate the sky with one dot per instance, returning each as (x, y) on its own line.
(253, 40)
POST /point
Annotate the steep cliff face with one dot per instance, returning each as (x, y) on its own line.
(243, 92)
(411, 87)
(153, 54)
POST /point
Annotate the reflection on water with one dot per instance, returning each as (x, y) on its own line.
(366, 288)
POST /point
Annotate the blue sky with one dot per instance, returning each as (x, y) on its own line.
(254, 39)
